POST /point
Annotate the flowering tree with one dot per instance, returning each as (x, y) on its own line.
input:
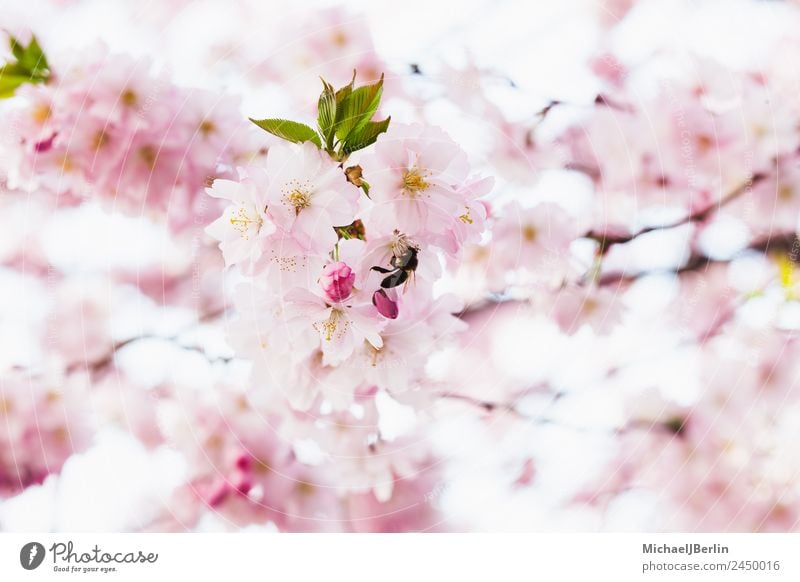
(368, 319)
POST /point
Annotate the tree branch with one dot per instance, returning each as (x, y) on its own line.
(606, 240)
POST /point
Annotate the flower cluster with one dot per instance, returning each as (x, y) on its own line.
(341, 261)
(244, 469)
(43, 424)
(113, 130)
(296, 361)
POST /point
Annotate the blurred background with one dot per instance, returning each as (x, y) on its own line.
(566, 458)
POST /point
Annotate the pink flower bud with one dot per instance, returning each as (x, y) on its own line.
(218, 493)
(385, 306)
(337, 281)
(45, 145)
(244, 462)
(242, 478)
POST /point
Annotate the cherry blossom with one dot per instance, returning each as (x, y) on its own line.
(415, 174)
(442, 274)
(43, 425)
(245, 222)
(307, 195)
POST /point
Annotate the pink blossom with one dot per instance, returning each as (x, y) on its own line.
(308, 194)
(535, 240)
(572, 307)
(44, 424)
(241, 469)
(415, 174)
(113, 131)
(338, 328)
(244, 223)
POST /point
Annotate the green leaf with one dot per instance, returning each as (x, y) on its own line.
(34, 58)
(357, 109)
(289, 130)
(345, 91)
(31, 57)
(326, 113)
(11, 77)
(9, 83)
(16, 47)
(366, 136)
(30, 67)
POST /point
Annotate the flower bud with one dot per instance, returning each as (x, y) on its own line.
(385, 306)
(337, 281)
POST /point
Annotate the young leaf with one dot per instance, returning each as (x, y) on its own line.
(326, 113)
(34, 58)
(30, 66)
(9, 81)
(345, 91)
(357, 109)
(366, 136)
(16, 47)
(289, 130)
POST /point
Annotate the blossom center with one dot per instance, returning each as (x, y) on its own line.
(100, 139)
(207, 127)
(299, 200)
(42, 113)
(297, 196)
(334, 327)
(304, 488)
(129, 98)
(149, 155)
(414, 182)
(244, 221)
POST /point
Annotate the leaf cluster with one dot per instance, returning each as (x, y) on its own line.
(29, 66)
(344, 120)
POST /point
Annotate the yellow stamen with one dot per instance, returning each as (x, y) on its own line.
(207, 127)
(129, 98)
(299, 200)
(100, 139)
(335, 326)
(304, 489)
(41, 113)
(67, 165)
(261, 466)
(242, 222)
(529, 233)
(297, 195)
(414, 182)
(149, 155)
(339, 38)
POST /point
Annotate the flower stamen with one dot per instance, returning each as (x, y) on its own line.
(297, 196)
(414, 182)
(331, 327)
(242, 221)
